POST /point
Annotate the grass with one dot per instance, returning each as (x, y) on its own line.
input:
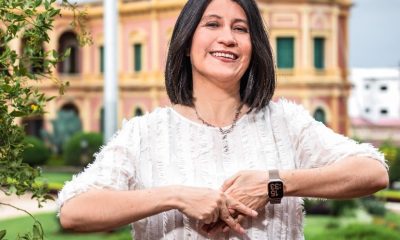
(344, 228)
(52, 231)
(316, 228)
(392, 194)
(54, 180)
(55, 177)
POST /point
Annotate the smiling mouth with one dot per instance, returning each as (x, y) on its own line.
(226, 55)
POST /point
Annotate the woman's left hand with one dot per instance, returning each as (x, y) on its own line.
(248, 187)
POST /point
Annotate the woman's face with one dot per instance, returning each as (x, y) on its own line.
(221, 46)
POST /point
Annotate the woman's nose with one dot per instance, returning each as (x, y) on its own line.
(227, 38)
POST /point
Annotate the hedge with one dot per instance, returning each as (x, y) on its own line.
(79, 149)
(36, 153)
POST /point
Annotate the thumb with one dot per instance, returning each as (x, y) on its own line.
(228, 183)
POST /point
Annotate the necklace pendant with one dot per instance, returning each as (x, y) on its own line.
(225, 142)
(226, 149)
(224, 137)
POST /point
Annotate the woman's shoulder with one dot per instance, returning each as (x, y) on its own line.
(286, 108)
(159, 114)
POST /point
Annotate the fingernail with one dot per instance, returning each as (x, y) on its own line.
(255, 213)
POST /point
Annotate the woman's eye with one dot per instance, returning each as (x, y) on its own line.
(241, 29)
(212, 24)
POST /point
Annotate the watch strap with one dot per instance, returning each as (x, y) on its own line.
(274, 174)
(275, 201)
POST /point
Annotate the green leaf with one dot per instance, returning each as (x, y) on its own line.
(37, 233)
(17, 114)
(37, 3)
(2, 234)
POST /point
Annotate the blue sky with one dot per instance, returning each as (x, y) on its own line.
(375, 33)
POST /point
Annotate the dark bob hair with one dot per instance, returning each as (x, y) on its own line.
(257, 84)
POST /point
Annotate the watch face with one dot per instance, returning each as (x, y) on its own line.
(275, 189)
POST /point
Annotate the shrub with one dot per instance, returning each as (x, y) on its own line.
(316, 207)
(36, 153)
(374, 207)
(79, 149)
(333, 224)
(343, 207)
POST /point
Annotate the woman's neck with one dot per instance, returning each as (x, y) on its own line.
(217, 105)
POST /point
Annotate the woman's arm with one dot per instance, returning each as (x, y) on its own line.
(347, 178)
(101, 210)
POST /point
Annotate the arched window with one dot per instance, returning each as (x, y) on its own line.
(138, 112)
(70, 65)
(320, 115)
(70, 107)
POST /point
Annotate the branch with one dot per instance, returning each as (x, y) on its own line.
(19, 209)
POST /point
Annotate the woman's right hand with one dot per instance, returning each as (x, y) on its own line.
(209, 205)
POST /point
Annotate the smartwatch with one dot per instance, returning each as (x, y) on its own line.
(275, 187)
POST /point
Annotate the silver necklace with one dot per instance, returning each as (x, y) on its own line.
(224, 132)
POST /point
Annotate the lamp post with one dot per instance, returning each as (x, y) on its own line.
(110, 89)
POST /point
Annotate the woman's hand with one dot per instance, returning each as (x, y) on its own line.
(248, 187)
(208, 206)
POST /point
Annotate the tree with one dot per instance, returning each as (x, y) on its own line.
(30, 20)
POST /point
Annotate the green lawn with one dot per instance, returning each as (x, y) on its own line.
(316, 228)
(55, 180)
(345, 228)
(55, 177)
(392, 194)
(51, 228)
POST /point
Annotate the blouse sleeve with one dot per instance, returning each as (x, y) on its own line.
(113, 167)
(317, 145)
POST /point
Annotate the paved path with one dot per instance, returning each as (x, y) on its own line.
(25, 202)
(395, 207)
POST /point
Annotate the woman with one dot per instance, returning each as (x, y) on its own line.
(224, 161)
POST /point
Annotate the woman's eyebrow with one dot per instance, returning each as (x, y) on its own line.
(211, 16)
(236, 20)
(219, 17)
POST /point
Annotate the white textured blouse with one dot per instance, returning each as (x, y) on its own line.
(164, 148)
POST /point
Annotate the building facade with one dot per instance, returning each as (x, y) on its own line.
(309, 39)
(374, 105)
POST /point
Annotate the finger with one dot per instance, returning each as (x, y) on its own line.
(239, 219)
(229, 182)
(232, 212)
(208, 220)
(226, 229)
(216, 215)
(240, 207)
(228, 219)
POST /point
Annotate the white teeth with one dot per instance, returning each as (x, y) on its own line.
(225, 55)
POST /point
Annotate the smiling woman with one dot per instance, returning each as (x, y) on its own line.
(224, 161)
